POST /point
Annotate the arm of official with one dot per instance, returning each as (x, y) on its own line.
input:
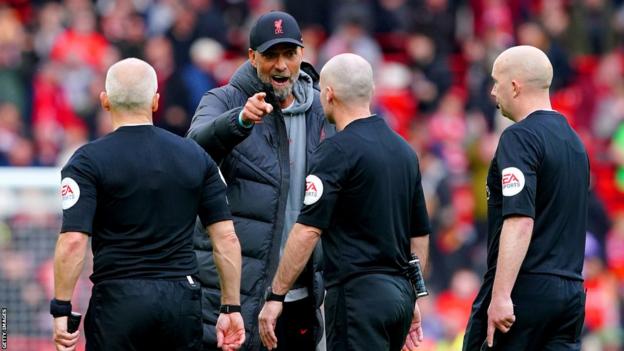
(299, 247)
(514, 244)
(69, 257)
(230, 328)
(227, 256)
(215, 215)
(215, 125)
(79, 199)
(519, 156)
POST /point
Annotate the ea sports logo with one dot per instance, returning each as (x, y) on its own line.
(313, 190)
(67, 191)
(512, 181)
(70, 193)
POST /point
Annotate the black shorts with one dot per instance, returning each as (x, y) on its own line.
(137, 315)
(549, 310)
(369, 312)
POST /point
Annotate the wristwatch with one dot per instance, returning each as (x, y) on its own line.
(270, 296)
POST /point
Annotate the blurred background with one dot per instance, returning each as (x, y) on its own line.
(432, 60)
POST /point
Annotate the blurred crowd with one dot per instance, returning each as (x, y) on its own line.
(432, 60)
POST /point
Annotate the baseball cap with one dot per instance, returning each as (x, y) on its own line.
(272, 28)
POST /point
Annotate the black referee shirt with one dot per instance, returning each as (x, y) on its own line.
(137, 192)
(541, 170)
(364, 191)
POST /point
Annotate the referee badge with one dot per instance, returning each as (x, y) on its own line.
(313, 190)
(512, 181)
(70, 192)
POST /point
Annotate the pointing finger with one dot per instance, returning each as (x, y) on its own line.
(490, 334)
(260, 96)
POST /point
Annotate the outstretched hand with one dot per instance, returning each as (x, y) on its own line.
(230, 331)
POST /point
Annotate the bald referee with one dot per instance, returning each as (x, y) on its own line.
(364, 199)
(532, 297)
(136, 193)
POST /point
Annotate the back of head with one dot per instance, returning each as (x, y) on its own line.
(527, 64)
(351, 78)
(131, 85)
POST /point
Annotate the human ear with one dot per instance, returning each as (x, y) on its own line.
(252, 57)
(104, 101)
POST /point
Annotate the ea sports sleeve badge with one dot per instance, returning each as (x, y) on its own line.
(70, 193)
(313, 190)
(512, 181)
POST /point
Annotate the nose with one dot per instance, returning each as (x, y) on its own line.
(280, 64)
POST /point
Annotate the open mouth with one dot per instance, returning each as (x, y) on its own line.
(279, 80)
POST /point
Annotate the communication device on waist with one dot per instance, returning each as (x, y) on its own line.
(416, 277)
(73, 322)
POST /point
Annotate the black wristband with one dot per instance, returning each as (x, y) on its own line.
(271, 296)
(60, 308)
(226, 309)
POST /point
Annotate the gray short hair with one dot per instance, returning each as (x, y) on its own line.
(351, 77)
(131, 84)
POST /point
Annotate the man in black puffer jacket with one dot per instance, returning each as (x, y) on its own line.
(261, 129)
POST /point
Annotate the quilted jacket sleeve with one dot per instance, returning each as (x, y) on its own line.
(215, 124)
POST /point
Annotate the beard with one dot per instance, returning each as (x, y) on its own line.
(283, 93)
(280, 93)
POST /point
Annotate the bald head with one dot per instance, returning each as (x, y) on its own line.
(351, 78)
(131, 85)
(526, 64)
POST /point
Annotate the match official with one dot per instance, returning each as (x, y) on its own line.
(136, 192)
(364, 194)
(532, 297)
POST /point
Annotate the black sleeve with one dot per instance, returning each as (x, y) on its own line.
(214, 205)
(215, 124)
(329, 170)
(518, 157)
(420, 218)
(79, 180)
